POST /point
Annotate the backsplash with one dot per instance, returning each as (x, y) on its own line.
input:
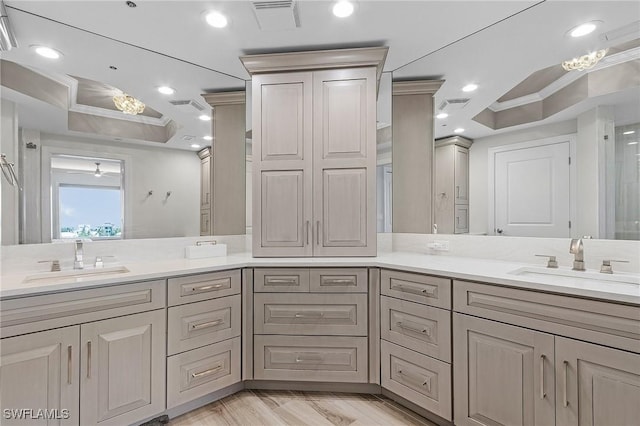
(523, 249)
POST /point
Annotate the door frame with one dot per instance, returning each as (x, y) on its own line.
(493, 151)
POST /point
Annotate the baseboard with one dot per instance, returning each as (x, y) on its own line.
(313, 386)
(416, 409)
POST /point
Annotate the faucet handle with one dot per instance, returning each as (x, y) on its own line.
(552, 263)
(55, 264)
(606, 265)
(99, 261)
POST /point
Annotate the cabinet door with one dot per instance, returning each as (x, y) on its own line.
(461, 222)
(596, 385)
(344, 162)
(123, 369)
(461, 178)
(503, 375)
(205, 183)
(444, 188)
(205, 222)
(39, 371)
(282, 159)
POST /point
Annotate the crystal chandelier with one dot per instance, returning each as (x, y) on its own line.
(128, 104)
(584, 62)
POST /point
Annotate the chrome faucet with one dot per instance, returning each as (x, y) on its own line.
(577, 249)
(78, 263)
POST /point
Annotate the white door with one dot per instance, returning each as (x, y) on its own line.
(532, 191)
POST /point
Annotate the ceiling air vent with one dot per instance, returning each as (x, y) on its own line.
(453, 104)
(187, 104)
(276, 15)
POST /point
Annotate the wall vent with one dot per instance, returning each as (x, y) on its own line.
(189, 103)
(452, 104)
(276, 15)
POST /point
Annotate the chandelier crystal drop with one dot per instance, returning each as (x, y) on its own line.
(585, 61)
(128, 104)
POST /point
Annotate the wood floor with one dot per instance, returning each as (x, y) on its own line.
(258, 407)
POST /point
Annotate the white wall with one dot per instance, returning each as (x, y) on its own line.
(8, 194)
(479, 171)
(157, 169)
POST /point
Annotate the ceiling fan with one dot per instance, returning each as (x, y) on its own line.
(97, 172)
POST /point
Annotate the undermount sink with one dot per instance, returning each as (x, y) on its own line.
(75, 274)
(571, 276)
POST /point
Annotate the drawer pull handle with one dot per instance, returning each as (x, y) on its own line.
(414, 290)
(206, 372)
(424, 330)
(309, 357)
(426, 382)
(565, 403)
(309, 315)
(207, 287)
(339, 281)
(89, 359)
(542, 392)
(69, 362)
(282, 280)
(207, 324)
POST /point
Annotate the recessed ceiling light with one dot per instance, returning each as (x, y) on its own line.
(47, 52)
(166, 90)
(470, 87)
(204, 117)
(442, 115)
(195, 145)
(216, 19)
(343, 9)
(458, 130)
(629, 132)
(583, 29)
(633, 143)
(207, 138)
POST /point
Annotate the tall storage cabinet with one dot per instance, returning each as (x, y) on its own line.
(314, 153)
(451, 204)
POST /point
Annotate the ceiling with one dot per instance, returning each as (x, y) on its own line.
(496, 44)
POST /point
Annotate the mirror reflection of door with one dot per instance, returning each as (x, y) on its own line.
(87, 198)
(532, 189)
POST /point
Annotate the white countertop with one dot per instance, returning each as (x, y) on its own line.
(483, 270)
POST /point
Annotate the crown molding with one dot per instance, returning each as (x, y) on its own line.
(225, 98)
(318, 59)
(416, 87)
(454, 140)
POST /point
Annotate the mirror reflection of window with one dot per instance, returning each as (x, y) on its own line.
(88, 198)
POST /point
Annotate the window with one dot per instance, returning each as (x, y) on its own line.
(90, 212)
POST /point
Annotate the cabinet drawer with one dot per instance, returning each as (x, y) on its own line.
(434, 291)
(198, 324)
(421, 328)
(35, 313)
(196, 373)
(203, 286)
(314, 359)
(343, 280)
(418, 378)
(274, 280)
(607, 323)
(311, 314)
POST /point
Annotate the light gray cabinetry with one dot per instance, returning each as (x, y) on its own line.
(503, 375)
(451, 204)
(416, 339)
(596, 385)
(204, 326)
(314, 163)
(40, 371)
(122, 369)
(205, 191)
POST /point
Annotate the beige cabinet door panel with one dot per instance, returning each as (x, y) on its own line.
(310, 314)
(461, 177)
(196, 373)
(461, 222)
(122, 370)
(420, 328)
(596, 385)
(503, 375)
(418, 378)
(194, 288)
(311, 358)
(277, 280)
(198, 324)
(40, 371)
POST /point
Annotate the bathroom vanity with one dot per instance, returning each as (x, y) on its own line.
(458, 340)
